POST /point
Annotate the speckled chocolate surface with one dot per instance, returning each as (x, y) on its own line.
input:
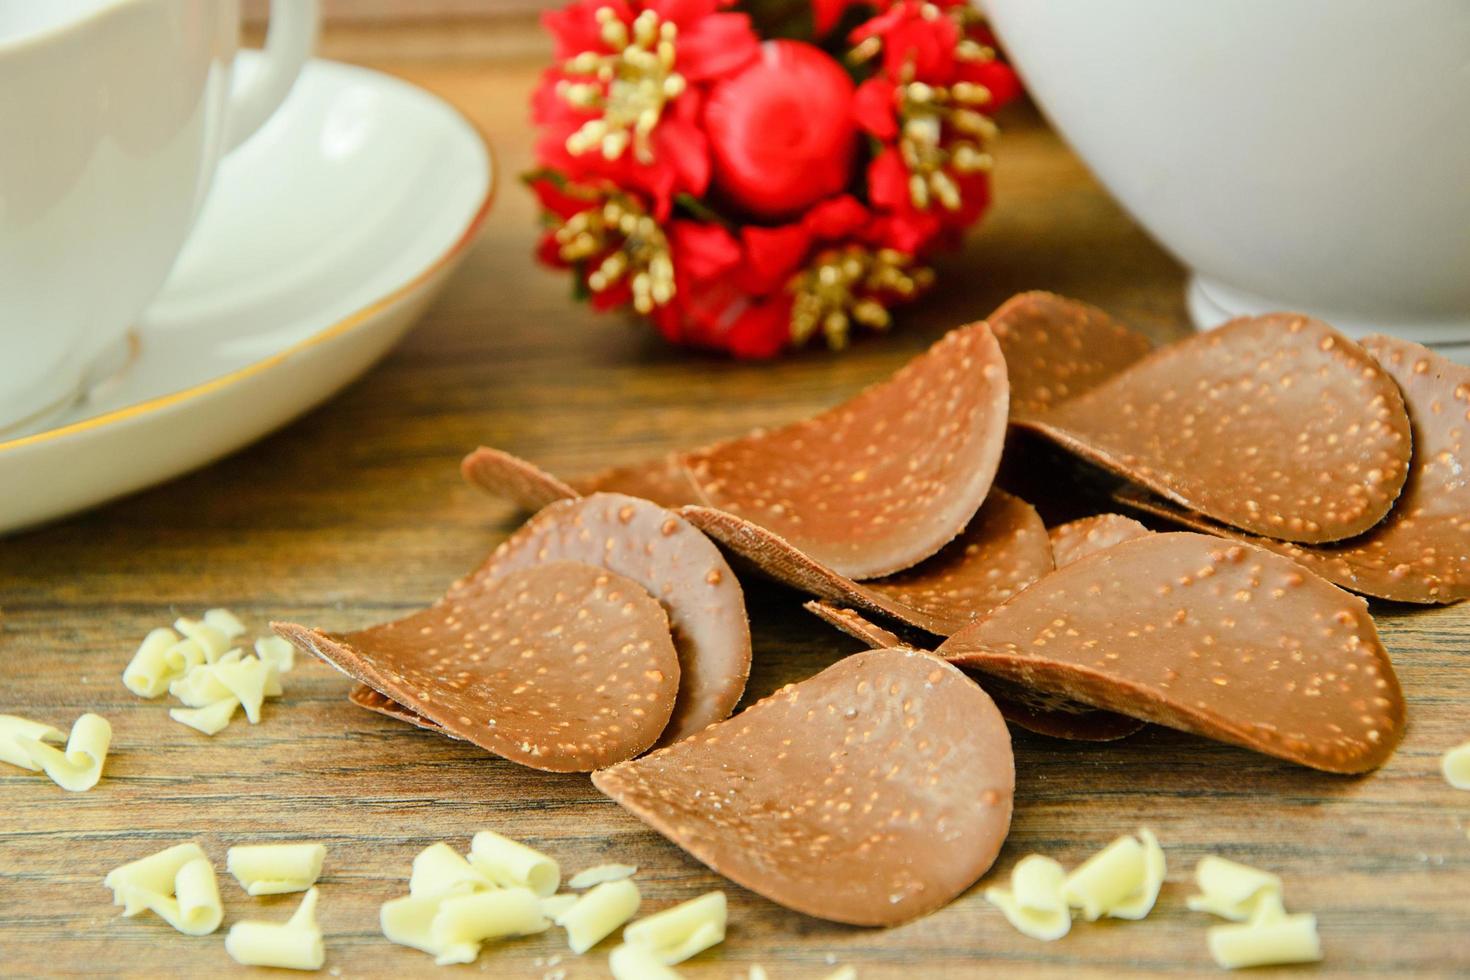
(1057, 348)
(871, 793)
(561, 666)
(1214, 637)
(884, 480)
(1277, 425)
(673, 562)
(1420, 552)
(1080, 538)
(1004, 549)
(509, 477)
(664, 481)
(1035, 711)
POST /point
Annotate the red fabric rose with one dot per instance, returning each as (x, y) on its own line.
(708, 45)
(781, 130)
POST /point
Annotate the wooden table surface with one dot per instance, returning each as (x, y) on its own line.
(356, 514)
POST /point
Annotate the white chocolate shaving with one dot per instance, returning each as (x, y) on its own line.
(210, 640)
(274, 650)
(463, 922)
(1270, 938)
(439, 870)
(275, 869)
(678, 933)
(600, 874)
(509, 863)
(1034, 903)
(12, 726)
(599, 913)
(295, 944)
(554, 906)
(210, 719)
(226, 622)
(1107, 878)
(630, 962)
(248, 680)
(148, 674)
(1231, 890)
(182, 657)
(80, 766)
(1456, 766)
(407, 921)
(191, 903)
(1139, 904)
(154, 873)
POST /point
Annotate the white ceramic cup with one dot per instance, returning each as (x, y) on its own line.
(1308, 155)
(113, 117)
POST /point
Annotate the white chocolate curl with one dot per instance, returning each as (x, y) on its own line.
(274, 650)
(463, 922)
(247, 679)
(1231, 890)
(408, 921)
(510, 864)
(275, 869)
(1140, 903)
(177, 884)
(1107, 878)
(599, 913)
(209, 639)
(439, 870)
(154, 873)
(225, 622)
(13, 726)
(1270, 938)
(295, 944)
(676, 934)
(1034, 903)
(80, 766)
(630, 962)
(1456, 766)
(210, 719)
(148, 674)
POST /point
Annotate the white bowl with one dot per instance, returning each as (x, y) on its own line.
(1308, 155)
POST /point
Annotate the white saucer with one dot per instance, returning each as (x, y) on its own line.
(326, 234)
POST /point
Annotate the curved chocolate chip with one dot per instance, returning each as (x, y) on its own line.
(562, 666)
(872, 793)
(884, 480)
(1420, 552)
(1276, 424)
(1225, 640)
(674, 563)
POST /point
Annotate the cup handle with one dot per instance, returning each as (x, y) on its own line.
(288, 44)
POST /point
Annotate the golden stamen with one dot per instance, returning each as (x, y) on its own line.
(848, 285)
(632, 85)
(635, 250)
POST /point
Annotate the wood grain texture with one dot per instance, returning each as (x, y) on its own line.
(357, 513)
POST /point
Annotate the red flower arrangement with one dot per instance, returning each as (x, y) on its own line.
(747, 194)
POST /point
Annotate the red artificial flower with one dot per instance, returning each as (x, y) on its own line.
(774, 255)
(712, 182)
(706, 44)
(914, 39)
(781, 130)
